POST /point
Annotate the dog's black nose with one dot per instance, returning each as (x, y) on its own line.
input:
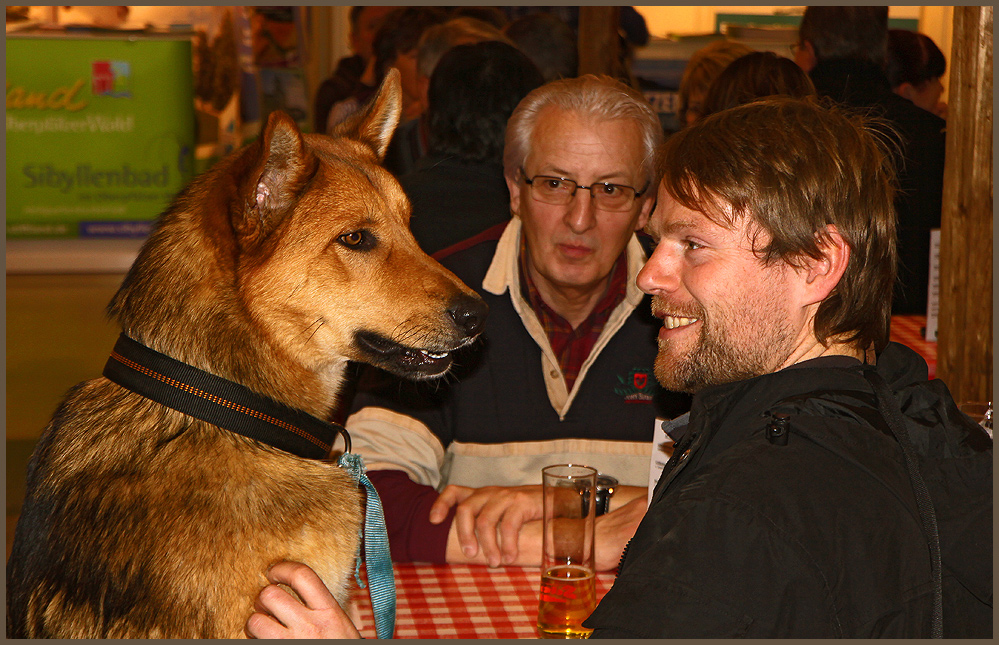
(469, 314)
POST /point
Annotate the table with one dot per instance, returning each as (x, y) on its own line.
(464, 601)
(908, 330)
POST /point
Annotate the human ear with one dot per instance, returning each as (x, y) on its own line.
(648, 204)
(804, 56)
(822, 274)
(513, 186)
(907, 91)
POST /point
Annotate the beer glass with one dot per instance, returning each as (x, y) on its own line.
(568, 590)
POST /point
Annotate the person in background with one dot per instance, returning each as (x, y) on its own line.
(844, 50)
(631, 24)
(458, 190)
(754, 76)
(702, 68)
(346, 79)
(439, 39)
(491, 15)
(915, 67)
(394, 46)
(411, 139)
(632, 31)
(562, 373)
(547, 41)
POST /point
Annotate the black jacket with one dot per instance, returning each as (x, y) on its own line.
(819, 537)
(921, 137)
(454, 200)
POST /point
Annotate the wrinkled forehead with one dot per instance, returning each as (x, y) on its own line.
(557, 129)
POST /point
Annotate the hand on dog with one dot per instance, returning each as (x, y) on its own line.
(281, 615)
(489, 520)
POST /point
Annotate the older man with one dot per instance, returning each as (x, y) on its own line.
(564, 370)
(788, 509)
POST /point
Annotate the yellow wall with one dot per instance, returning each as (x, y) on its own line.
(935, 22)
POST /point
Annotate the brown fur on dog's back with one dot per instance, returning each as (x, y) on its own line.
(173, 528)
(273, 269)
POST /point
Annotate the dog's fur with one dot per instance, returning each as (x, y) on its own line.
(273, 269)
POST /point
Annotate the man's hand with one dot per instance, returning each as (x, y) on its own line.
(281, 615)
(502, 526)
(489, 519)
(614, 529)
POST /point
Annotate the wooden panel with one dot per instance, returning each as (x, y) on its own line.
(964, 353)
(598, 41)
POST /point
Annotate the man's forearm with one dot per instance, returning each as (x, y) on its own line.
(407, 505)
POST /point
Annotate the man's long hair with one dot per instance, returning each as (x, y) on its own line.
(794, 167)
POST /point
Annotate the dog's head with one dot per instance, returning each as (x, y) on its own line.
(327, 265)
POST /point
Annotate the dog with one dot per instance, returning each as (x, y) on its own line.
(284, 261)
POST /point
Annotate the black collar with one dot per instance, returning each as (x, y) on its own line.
(219, 401)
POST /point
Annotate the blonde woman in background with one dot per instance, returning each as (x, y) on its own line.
(704, 66)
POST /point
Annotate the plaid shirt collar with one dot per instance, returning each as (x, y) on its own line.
(573, 346)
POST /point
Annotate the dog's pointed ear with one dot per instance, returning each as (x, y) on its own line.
(275, 179)
(375, 123)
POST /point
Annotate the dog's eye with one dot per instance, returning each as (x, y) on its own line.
(357, 240)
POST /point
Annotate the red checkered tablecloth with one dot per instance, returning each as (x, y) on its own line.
(464, 601)
(909, 331)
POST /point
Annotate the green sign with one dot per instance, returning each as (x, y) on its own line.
(100, 134)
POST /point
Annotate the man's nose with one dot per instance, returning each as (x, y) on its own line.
(582, 212)
(660, 273)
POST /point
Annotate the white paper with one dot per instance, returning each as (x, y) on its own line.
(933, 288)
(662, 448)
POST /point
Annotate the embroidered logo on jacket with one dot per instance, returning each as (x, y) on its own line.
(639, 386)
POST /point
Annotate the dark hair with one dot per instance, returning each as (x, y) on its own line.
(755, 76)
(400, 33)
(794, 167)
(913, 58)
(473, 90)
(846, 32)
(547, 41)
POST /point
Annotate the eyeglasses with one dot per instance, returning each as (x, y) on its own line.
(560, 191)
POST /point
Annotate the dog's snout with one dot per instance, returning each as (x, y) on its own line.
(469, 314)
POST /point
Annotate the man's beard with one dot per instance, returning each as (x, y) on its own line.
(718, 357)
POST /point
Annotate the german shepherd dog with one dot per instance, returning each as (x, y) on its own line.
(273, 269)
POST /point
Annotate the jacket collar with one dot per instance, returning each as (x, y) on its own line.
(714, 409)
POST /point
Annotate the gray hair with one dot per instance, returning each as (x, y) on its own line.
(596, 97)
